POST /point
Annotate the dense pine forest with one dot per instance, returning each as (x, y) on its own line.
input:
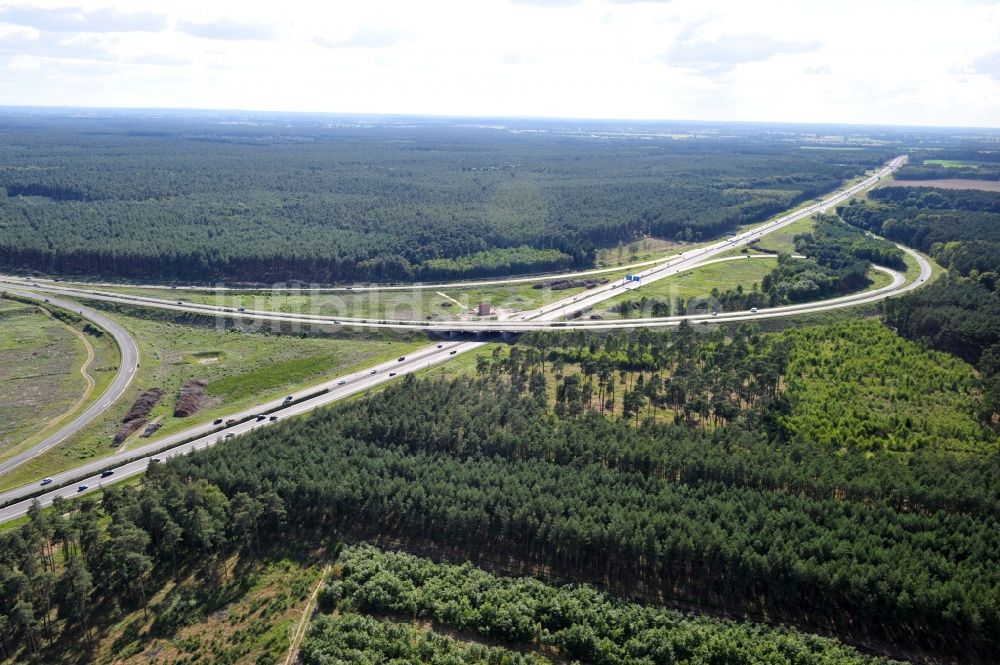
(704, 469)
(299, 198)
(813, 495)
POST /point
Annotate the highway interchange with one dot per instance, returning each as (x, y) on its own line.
(132, 462)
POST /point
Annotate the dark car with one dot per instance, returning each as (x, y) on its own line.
(401, 359)
(452, 352)
(46, 481)
(81, 488)
(392, 374)
(107, 472)
(273, 418)
(260, 418)
(217, 421)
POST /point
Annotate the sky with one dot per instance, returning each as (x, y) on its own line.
(892, 62)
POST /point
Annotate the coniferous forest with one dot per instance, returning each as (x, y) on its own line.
(279, 199)
(705, 466)
(810, 491)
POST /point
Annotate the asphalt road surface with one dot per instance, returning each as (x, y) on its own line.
(523, 321)
(89, 478)
(132, 462)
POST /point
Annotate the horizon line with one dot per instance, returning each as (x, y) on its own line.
(467, 116)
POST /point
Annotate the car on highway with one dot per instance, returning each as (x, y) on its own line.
(82, 488)
(400, 359)
(217, 421)
(374, 371)
(260, 418)
(753, 310)
(230, 422)
(273, 418)
(392, 374)
(241, 309)
(440, 345)
(289, 398)
(230, 435)
(341, 382)
(107, 472)
(452, 352)
(46, 481)
(715, 313)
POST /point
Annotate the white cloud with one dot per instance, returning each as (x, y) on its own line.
(727, 51)
(77, 19)
(48, 45)
(547, 3)
(989, 64)
(228, 29)
(367, 37)
(698, 59)
(516, 59)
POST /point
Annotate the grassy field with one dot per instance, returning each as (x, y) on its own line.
(782, 240)
(951, 163)
(878, 279)
(463, 365)
(240, 370)
(953, 183)
(41, 359)
(698, 282)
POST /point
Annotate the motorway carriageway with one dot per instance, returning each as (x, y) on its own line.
(130, 463)
(543, 316)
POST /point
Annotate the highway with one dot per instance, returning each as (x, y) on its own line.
(522, 279)
(523, 321)
(132, 462)
(126, 372)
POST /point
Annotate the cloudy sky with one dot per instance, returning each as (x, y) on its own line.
(925, 62)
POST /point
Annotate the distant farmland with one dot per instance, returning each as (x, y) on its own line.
(954, 183)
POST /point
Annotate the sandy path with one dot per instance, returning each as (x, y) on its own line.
(303, 625)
